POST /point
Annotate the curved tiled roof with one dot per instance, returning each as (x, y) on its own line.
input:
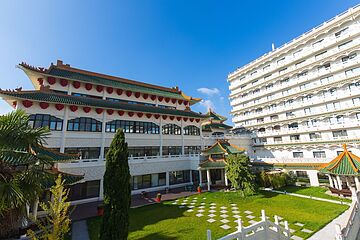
(223, 147)
(53, 97)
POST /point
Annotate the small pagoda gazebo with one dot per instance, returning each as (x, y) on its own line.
(343, 173)
(215, 161)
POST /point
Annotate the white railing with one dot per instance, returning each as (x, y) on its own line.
(265, 229)
(351, 230)
(290, 160)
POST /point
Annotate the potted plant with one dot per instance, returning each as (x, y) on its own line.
(199, 189)
(158, 197)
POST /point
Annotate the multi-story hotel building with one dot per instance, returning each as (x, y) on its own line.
(84, 109)
(301, 101)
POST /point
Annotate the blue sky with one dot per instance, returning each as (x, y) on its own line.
(185, 43)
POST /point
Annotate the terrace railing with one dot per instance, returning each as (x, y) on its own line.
(351, 230)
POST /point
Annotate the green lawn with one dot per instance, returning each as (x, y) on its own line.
(168, 221)
(313, 191)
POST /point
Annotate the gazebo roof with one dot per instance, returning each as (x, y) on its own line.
(346, 163)
(223, 147)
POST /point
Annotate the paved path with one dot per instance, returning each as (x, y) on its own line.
(79, 231)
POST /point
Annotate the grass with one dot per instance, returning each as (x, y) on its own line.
(313, 191)
(168, 221)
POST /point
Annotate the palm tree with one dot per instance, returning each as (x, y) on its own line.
(23, 171)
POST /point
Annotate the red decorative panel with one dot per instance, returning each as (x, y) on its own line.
(197, 120)
(160, 98)
(148, 115)
(99, 110)
(121, 113)
(109, 90)
(86, 109)
(145, 95)
(40, 81)
(73, 108)
(44, 105)
(167, 99)
(191, 119)
(63, 82)
(137, 94)
(172, 117)
(59, 106)
(140, 114)
(119, 91)
(180, 101)
(27, 103)
(88, 86)
(14, 104)
(156, 116)
(76, 84)
(178, 118)
(131, 114)
(153, 97)
(128, 93)
(164, 117)
(99, 88)
(173, 100)
(110, 111)
(185, 119)
(186, 102)
(51, 80)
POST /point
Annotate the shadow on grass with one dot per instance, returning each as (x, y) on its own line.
(157, 236)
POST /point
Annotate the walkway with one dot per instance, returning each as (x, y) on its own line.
(79, 231)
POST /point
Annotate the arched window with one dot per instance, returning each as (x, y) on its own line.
(45, 120)
(191, 130)
(84, 124)
(172, 129)
(132, 127)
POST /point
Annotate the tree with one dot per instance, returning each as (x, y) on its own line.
(239, 173)
(57, 222)
(117, 191)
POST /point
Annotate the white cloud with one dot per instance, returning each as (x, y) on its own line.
(222, 98)
(207, 104)
(209, 91)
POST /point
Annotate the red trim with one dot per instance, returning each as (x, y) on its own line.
(178, 118)
(186, 103)
(109, 90)
(14, 104)
(137, 94)
(145, 95)
(44, 105)
(40, 81)
(160, 98)
(140, 114)
(148, 115)
(119, 91)
(99, 110)
(167, 99)
(197, 120)
(87, 109)
(76, 84)
(153, 97)
(121, 113)
(73, 108)
(51, 80)
(173, 100)
(88, 86)
(191, 119)
(185, 119)
(172, 117)
(180, 101)
(128, 93)
(99, 88)
(27, 103)
(59, 107)
(156, 116)
(110, 111)
(164, 117)
(130, 114)
(63, 82)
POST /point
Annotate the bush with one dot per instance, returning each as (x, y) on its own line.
(276, 180)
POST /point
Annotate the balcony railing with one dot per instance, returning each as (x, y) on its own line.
(290, 160)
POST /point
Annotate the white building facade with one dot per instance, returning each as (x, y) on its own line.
(301, 101)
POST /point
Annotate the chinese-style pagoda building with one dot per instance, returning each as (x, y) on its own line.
(214, 124)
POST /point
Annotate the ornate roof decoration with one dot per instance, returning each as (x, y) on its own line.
(60, 98)
(346, 163)
(214, 116)
(216, 122)
(64, 71)
(223, 147)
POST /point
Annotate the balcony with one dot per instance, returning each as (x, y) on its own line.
(290, 160)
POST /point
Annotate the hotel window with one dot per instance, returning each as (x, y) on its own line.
(313, 123)
(45, 120)
(293, 125)
(132, 127)
(266, 77)
(276, 128)
(333, 106)
(317, 43)
(295, 54)
(144, 151)
(260, 120)
(256, 91)
(274, 117)
(352, 72)
(288, 102)
(269, 86)
(85, 95)
(356, 101)
(326, 80)
(358, 116)
(341, 32)
(320, 55)
(341, 46)
(307, 111)
(172, 150)
(325, 66)
(84, 152)
(243, 86)
(84, 124)
(256, 100)
(315, 135)
(261, 129)
(177, 177)
(246, 113)
(347, 58)
(281, 71)
(263, 140)
(319, 154)
(307, 98)
(340, 133)
(286, 92)
(88, 189)
(294, 137)
(290, 114)
(141, 181)
(337, 120)
(280, 61)
(304, 86)
(171, 129)
(299, 63)
(192, 149)
(266, 67)
(284, 81)
(332, 91)
(302, 74)
(191, 130)
(354, 86)
(254, 82)
(298, 154)
(277, 139)
(273, 107)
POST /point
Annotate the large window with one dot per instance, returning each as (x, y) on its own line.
(142, 151)
(84, 124)
(298, 154)
(132, 127)
(45, 120)
(89, 189)
(172, 129)
(340, 133)
(148, 180)
(172, 150)
(191, 130)
(319, 154)
(178, 177)
(84, 152)
(192, 149)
